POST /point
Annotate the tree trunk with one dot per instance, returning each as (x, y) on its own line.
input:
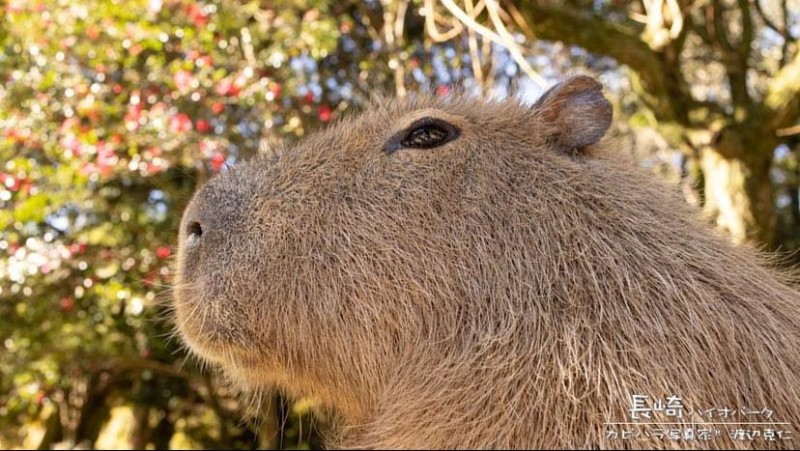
(738, 197)
(140, 433)
(735, 164)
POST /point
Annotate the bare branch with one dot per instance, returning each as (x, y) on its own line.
(719, 26)
(371, 20)
(788, 38)
(783, 96)
(472, 41)
(457, 26)
(398, 42)
(511, 44)
(677, 19)
(783, 30)
(516, 17)
(504, 38)
(662, 86)
(737, 70)
(767, 21)
(788, 131)
(247, 47)
(733, 56)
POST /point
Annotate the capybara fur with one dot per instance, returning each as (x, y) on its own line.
(472, 273)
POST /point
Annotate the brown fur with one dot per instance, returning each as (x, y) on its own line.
(511, 288)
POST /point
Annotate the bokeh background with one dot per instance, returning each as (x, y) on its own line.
(112, 112)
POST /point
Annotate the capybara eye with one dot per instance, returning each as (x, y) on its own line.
(425, 133)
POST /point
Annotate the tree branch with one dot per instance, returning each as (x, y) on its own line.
(783, 96)
(663, 87)
(737, 63)
(501, 37)
(719, 24)
(767, 21)
(788, 38)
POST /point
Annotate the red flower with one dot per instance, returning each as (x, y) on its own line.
(183, 80)
(442, 90)
(325, 113)
(163, 252)
(180, 123)
(93, 32)
(217, 160)
(10, 182)
(15, 6)
(217, 107)
(132, 116)
(71, 145)
(203, 126)
(275, 89)
(106, 158)
(226, 87)
(66, 304)
(198, 16)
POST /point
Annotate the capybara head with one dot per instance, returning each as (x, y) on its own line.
(458, 272)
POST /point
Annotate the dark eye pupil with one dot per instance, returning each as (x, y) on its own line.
(425, 137)
(425, 133)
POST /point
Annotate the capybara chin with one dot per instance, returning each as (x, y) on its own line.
(457, 272)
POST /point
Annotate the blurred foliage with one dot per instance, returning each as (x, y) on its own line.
(111, 113)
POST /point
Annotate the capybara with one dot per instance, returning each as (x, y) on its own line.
(477, 273)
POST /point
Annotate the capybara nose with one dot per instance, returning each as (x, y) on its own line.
(196, 225)
(213, 217)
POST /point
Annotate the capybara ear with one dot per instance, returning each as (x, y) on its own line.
(576, 112)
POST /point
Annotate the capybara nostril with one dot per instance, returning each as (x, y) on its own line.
(194, 232)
